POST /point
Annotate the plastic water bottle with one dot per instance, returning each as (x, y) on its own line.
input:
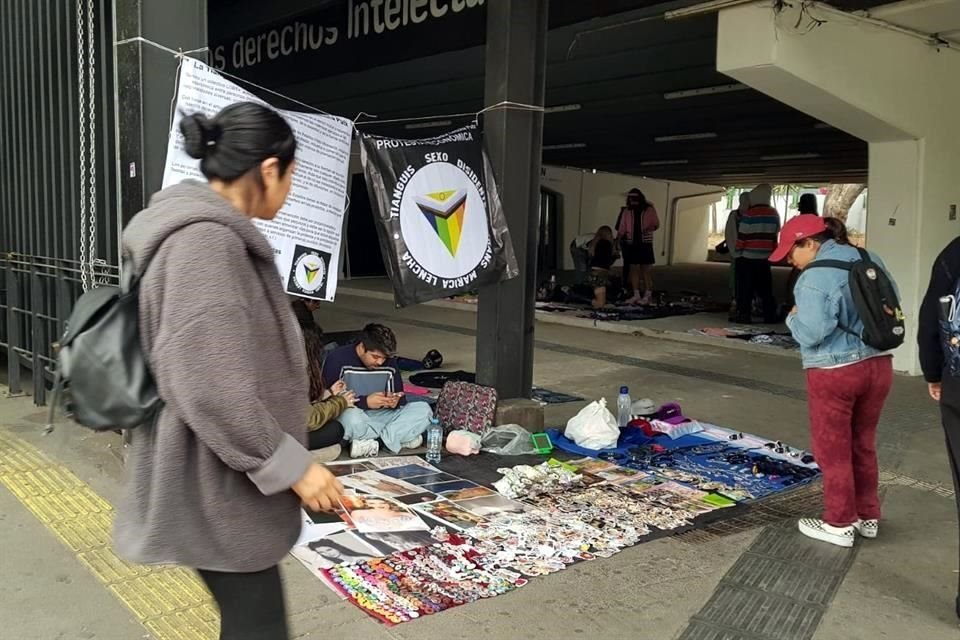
(624, 407)
(434, 441)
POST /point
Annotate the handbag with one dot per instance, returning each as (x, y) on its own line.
(466, 406)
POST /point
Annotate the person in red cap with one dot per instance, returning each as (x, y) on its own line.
(847, 381)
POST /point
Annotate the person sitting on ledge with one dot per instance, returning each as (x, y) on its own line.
(324, 432)
(602, 257)
(369, 369)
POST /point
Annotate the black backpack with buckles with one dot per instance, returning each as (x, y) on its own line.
(875, 299)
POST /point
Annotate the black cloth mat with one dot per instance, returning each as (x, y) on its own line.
(436, 379)
(553, 397)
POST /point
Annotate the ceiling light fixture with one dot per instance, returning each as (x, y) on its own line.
(792, 156)
(569, 145)
(660, 163)
(686, 136)
(561, 108)
(705, 91)
(429, 125)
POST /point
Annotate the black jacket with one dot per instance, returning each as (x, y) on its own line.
(943, 282)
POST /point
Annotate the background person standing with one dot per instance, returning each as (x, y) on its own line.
(636, 225)
(756, 240)
(730, 232)
(939, 340)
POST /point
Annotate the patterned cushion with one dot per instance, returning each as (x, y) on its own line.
(466, 406)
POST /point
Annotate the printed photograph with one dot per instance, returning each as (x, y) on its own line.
(418, 498)
(378, 484)
(388, 542)
(375, 514)
(641, 484)
(407, 471)
(341, 469)
(450, 514)
(617, 475)
(433, 478)
(331, 551)
(447, 487)
(590, 465)
(492, 505)
(476, 491)
(398, 462)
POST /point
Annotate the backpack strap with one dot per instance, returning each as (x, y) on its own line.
(831, 264)
(845, 266)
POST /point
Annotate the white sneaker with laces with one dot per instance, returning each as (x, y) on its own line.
(820, 530)
(364, 449)
(867, 528)
(416, 443)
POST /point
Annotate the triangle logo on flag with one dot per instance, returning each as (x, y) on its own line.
(445, 211)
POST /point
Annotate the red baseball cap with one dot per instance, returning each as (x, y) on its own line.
(796, 229)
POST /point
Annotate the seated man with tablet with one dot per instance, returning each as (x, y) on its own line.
(369, 369)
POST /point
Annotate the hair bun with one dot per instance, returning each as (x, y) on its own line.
(200, 135)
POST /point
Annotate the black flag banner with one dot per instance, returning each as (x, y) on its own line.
(439, 218)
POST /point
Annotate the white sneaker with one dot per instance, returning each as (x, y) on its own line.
(416, 443)
(867, 528)
(327, 454)
(820, 530)
(364, 448)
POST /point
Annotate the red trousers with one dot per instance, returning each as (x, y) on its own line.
(845, 406)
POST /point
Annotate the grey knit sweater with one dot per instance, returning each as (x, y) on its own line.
(209, 481)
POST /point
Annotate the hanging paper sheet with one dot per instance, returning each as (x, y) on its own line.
(439, 218)
(306, 234)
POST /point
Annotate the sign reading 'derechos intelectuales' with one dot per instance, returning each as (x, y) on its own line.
(352, 31)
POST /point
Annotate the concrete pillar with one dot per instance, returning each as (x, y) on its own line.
(515, 71)
(895, 91)
(145, 80)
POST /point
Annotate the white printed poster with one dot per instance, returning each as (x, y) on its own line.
(306, 234)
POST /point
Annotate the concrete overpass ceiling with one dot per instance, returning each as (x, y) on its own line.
(632, 99)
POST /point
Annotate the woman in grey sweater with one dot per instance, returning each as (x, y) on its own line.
(216, 482)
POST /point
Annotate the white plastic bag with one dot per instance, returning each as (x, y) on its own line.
(594, 427)
(508, 440)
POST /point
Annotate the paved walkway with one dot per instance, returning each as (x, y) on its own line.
(751, 579)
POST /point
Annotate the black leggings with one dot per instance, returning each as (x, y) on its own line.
(950, 412)
(326, 436)
(251, 604)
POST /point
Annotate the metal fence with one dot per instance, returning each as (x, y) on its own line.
(59, 228)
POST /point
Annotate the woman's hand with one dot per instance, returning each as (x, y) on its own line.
(934, 389)
(319, 490)
(351, 399)
(338, 387)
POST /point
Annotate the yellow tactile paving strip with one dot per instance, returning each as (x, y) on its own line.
(170, 602)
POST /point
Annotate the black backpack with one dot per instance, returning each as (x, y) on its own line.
(102, 374)
(875, 299)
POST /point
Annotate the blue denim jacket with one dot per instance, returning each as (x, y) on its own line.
(824, 304)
